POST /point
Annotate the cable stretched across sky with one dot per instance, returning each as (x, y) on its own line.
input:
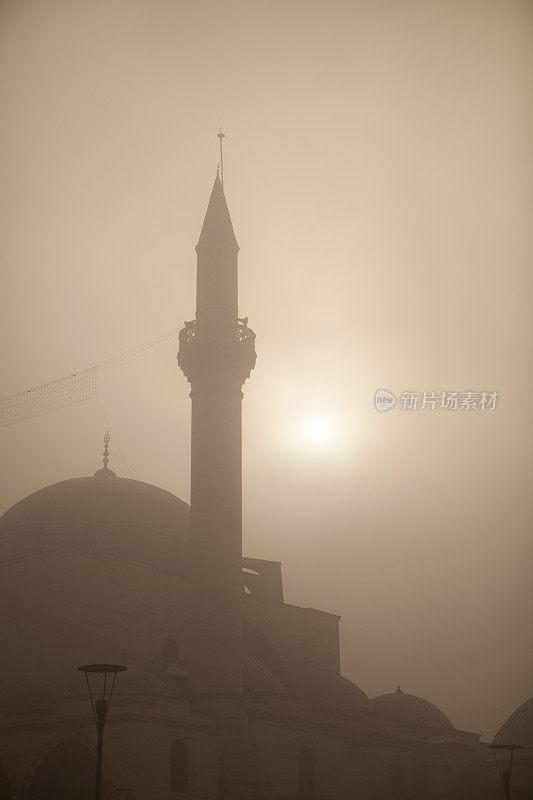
(66, 391)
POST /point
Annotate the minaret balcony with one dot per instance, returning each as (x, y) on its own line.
(230, 354)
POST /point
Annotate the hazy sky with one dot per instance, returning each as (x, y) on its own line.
(378, 170)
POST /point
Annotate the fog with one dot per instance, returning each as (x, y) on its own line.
(378, 171)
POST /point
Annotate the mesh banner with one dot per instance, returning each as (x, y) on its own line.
(49, 397)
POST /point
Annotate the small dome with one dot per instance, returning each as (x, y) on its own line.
(327, 689)
(410, 708)
(257, 677)
(518, 729)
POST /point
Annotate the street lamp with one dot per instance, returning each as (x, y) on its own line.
(504, 769)
(100, 706)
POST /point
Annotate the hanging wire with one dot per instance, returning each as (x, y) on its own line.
(133, 352)
(48, 397)
(70, 390)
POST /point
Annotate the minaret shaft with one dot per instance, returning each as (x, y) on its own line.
(216, 524)
(216, 354)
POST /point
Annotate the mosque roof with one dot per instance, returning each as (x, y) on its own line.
(101, 515)
(98, 498)
(410, 708)
(518, 728)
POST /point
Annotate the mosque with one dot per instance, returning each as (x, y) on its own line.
(229, 693)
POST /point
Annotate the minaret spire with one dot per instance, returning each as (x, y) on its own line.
(217, 354)
(218, 227)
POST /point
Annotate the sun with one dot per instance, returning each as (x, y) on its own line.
(321, 431)
(317, 431)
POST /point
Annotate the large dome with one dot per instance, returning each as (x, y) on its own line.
(518, 729)
(101, 514)
(104, 499)
(410, 708)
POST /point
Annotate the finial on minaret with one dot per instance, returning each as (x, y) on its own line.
(221, 136)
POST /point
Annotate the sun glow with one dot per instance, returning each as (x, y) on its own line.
(317, 430)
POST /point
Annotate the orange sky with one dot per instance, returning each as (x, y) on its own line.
(379, 172)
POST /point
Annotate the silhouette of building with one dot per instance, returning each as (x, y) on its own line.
(230, 692)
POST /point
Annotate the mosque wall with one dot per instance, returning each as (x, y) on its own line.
(344, 768)
(138, 747)
(312, 636)
(62, 609)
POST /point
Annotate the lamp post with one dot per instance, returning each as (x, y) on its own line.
(505, 770)
(100, 699)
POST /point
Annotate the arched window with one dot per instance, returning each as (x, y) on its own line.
(179, 766)
(307, 774)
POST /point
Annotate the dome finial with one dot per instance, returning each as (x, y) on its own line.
(107, 439)
(105, 472)
(398, 690)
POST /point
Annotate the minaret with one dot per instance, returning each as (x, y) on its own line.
(216, 354)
